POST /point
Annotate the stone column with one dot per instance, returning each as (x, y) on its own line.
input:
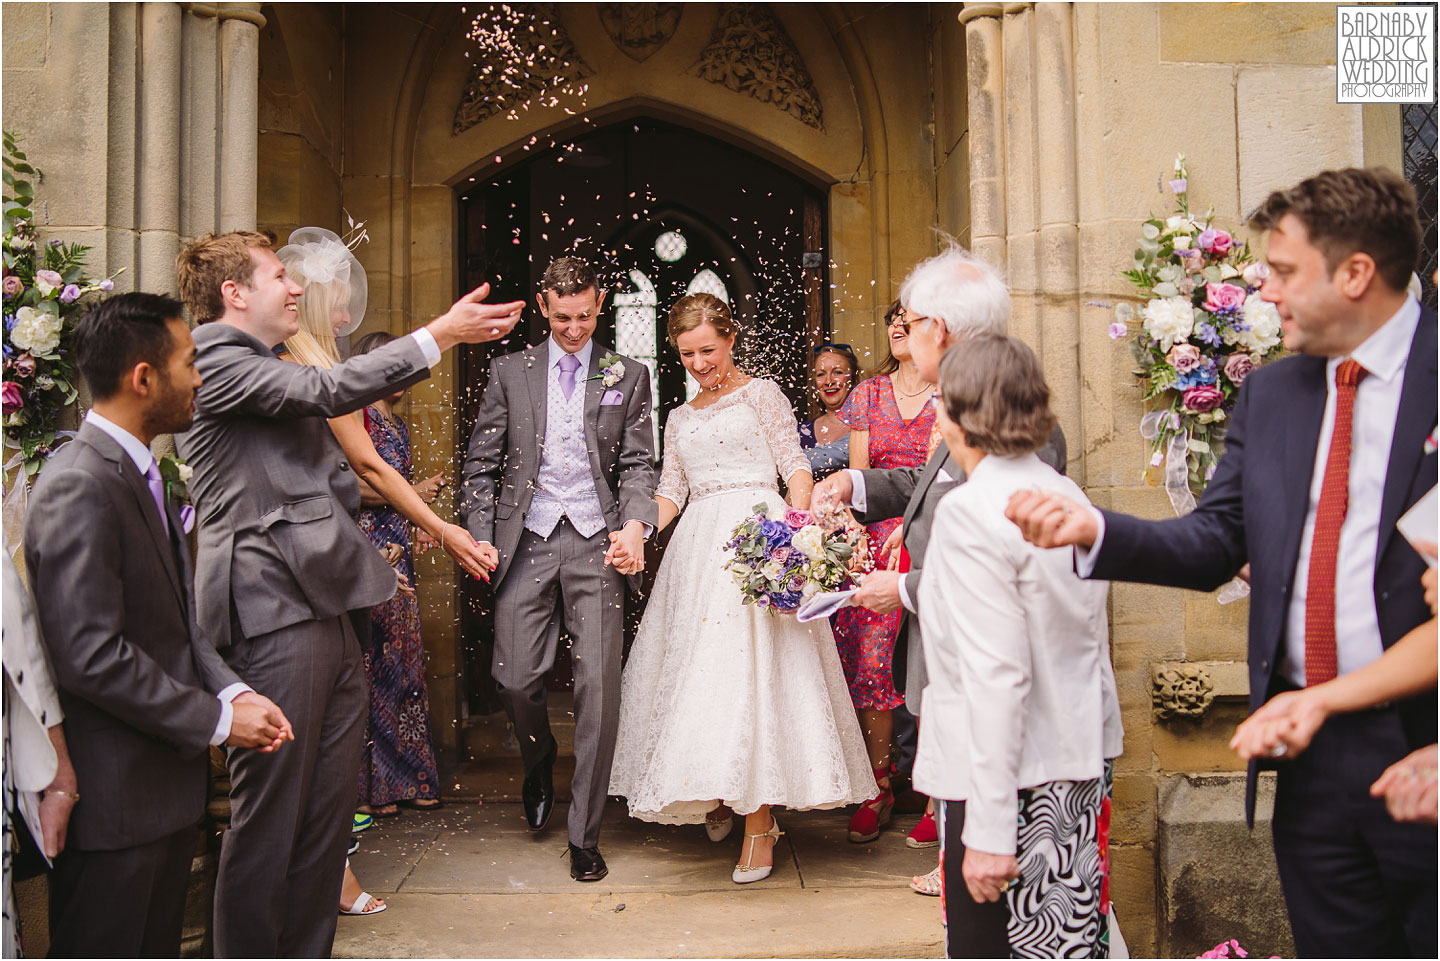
(157, 147)
(240, 25)
(985, 92)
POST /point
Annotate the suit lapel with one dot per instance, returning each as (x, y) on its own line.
(180, 550)
(144, 501)
(1306, 414)
(1415, 420)
(594, 390)
(537, 379)
(927, 479)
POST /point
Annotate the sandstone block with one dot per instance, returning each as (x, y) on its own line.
(1249, 33)
(1290, 127)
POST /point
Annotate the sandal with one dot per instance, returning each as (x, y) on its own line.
(927, 884)
(365, 904)
(379, 810)
(924, 834)
(422, 803)
(746, 873)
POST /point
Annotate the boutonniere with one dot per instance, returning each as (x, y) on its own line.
(176, 474)
(611, 370)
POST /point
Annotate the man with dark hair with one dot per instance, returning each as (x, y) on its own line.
(559, 481)
(1325, 451)
(281, 565)
(144, 695)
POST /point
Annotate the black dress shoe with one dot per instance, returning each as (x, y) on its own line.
(537, 795)
(586, 864)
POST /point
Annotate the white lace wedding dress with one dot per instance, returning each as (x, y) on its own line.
(723, 701)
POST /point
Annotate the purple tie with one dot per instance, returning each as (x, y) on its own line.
(569, 364)
(157, 491)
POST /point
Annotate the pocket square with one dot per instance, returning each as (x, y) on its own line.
(944, 477)
(612, 398)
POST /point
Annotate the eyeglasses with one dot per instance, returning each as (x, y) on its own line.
(819, 349)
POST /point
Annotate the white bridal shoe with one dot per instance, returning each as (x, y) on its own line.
(745, 873)
(717, 830)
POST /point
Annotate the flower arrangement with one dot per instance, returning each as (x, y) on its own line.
(1202, 330)
(779, 564)
(42, 288)
(611, 370)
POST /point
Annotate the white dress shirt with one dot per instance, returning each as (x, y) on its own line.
(1377, 404)
(1021, 690)
(140, 454)
(857, 502)
(426, 341)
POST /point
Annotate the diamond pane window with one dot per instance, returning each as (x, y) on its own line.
(1418, 132)
(636, 334)
(670, 246)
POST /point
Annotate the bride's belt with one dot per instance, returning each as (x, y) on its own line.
(710, 490)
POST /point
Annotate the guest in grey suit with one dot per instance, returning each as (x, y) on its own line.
(561, 454)
(144, 695)
(281, 564)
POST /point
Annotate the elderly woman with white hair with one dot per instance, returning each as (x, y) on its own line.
(1021, 713)
(946, 299)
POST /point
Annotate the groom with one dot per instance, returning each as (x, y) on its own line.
(559, 479)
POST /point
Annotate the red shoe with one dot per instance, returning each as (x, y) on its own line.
(874, 814)
(924, 834)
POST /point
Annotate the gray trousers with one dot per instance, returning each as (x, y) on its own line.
(283, 858)
(563, 574)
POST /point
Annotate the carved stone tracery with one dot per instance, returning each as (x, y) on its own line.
(524, 56)
(751, 53)
(1181, 690)
(640, 29)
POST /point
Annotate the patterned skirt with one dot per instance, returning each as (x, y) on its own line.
(866, 641)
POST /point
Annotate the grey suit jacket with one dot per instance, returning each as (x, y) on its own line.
(113, 596)
(912, 493)
(272, 489)
(508, 443)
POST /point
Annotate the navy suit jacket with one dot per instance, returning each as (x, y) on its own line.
(1254, 510)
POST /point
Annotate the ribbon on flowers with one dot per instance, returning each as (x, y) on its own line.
(1177, 469)
(17, 498)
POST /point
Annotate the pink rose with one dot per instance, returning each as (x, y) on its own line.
(25, 365)
(781, 554)
(1238, 367)
(1201, 399)
(1215, 240)
(13, 285)
(1184, 358)
(1223, 296)
(797, 518)
(11, 399)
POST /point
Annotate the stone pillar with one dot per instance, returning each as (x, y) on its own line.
(240, 118)
(985, 92)
(157, 147)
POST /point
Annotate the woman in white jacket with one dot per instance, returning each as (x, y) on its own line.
(1021, 715)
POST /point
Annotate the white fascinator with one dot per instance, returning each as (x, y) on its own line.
(315, 255)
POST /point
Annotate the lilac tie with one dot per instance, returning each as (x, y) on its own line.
(157, 491)
(569, 364)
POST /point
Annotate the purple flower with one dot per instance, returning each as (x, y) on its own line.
(25, 365)
(776, 533)
(107, 285)
(1118, 330)
(70, 294)
(1215, 240)
(1206, 334)
(1179, 185)
(1202, 399)
(13, 285)
(1200, 376)
(11, 399)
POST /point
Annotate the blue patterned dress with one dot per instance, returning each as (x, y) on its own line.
(398, 763)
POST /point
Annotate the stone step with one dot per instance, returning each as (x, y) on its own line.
(491, 735)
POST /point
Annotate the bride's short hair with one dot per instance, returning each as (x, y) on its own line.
(694, 310)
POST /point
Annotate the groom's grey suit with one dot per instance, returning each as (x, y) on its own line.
(279, 565)
(596, 451)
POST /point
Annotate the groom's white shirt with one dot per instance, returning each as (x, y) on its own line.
(565, 485)
(142, 457)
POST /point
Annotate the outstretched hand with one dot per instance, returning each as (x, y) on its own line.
(472, 321)
(468, 552)
(1048, 520)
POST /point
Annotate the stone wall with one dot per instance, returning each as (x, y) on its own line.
(1075, 112)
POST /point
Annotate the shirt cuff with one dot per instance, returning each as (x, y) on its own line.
(1085, 557)
(227, 711)
(857, 496)
(428, 346)
(649, 528)
(905, 600)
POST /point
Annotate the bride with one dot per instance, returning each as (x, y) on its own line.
(726, 707)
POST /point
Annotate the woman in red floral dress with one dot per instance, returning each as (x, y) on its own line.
(892, 425)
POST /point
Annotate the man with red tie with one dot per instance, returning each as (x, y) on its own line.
(1325, 451)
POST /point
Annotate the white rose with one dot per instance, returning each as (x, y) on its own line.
(185, 471)
(810, 541)
(1264, 322)
(772, 570)
(811, 588)
(1169, 321)
(1182, 242)
(36, 330)
(1228, 271)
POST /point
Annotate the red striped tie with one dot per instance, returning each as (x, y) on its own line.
(1320, 657)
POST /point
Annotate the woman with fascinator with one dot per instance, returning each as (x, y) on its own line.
(398, 764)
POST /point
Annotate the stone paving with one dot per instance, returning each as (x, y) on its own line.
(470, 881)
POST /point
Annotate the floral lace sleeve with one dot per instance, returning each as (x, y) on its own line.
(673, 485)
(777, 420)
(854, 413)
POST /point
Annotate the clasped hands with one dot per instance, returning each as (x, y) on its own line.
(258, 723)
(626, 552)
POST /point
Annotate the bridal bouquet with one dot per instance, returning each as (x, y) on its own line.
(1203, 329)
(781, 563)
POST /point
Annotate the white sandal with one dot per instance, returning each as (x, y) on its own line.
(927, 884)
(717, 830)
(745, 873)
(363, 902)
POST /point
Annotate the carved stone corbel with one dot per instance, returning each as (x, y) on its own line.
(1181, 690)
